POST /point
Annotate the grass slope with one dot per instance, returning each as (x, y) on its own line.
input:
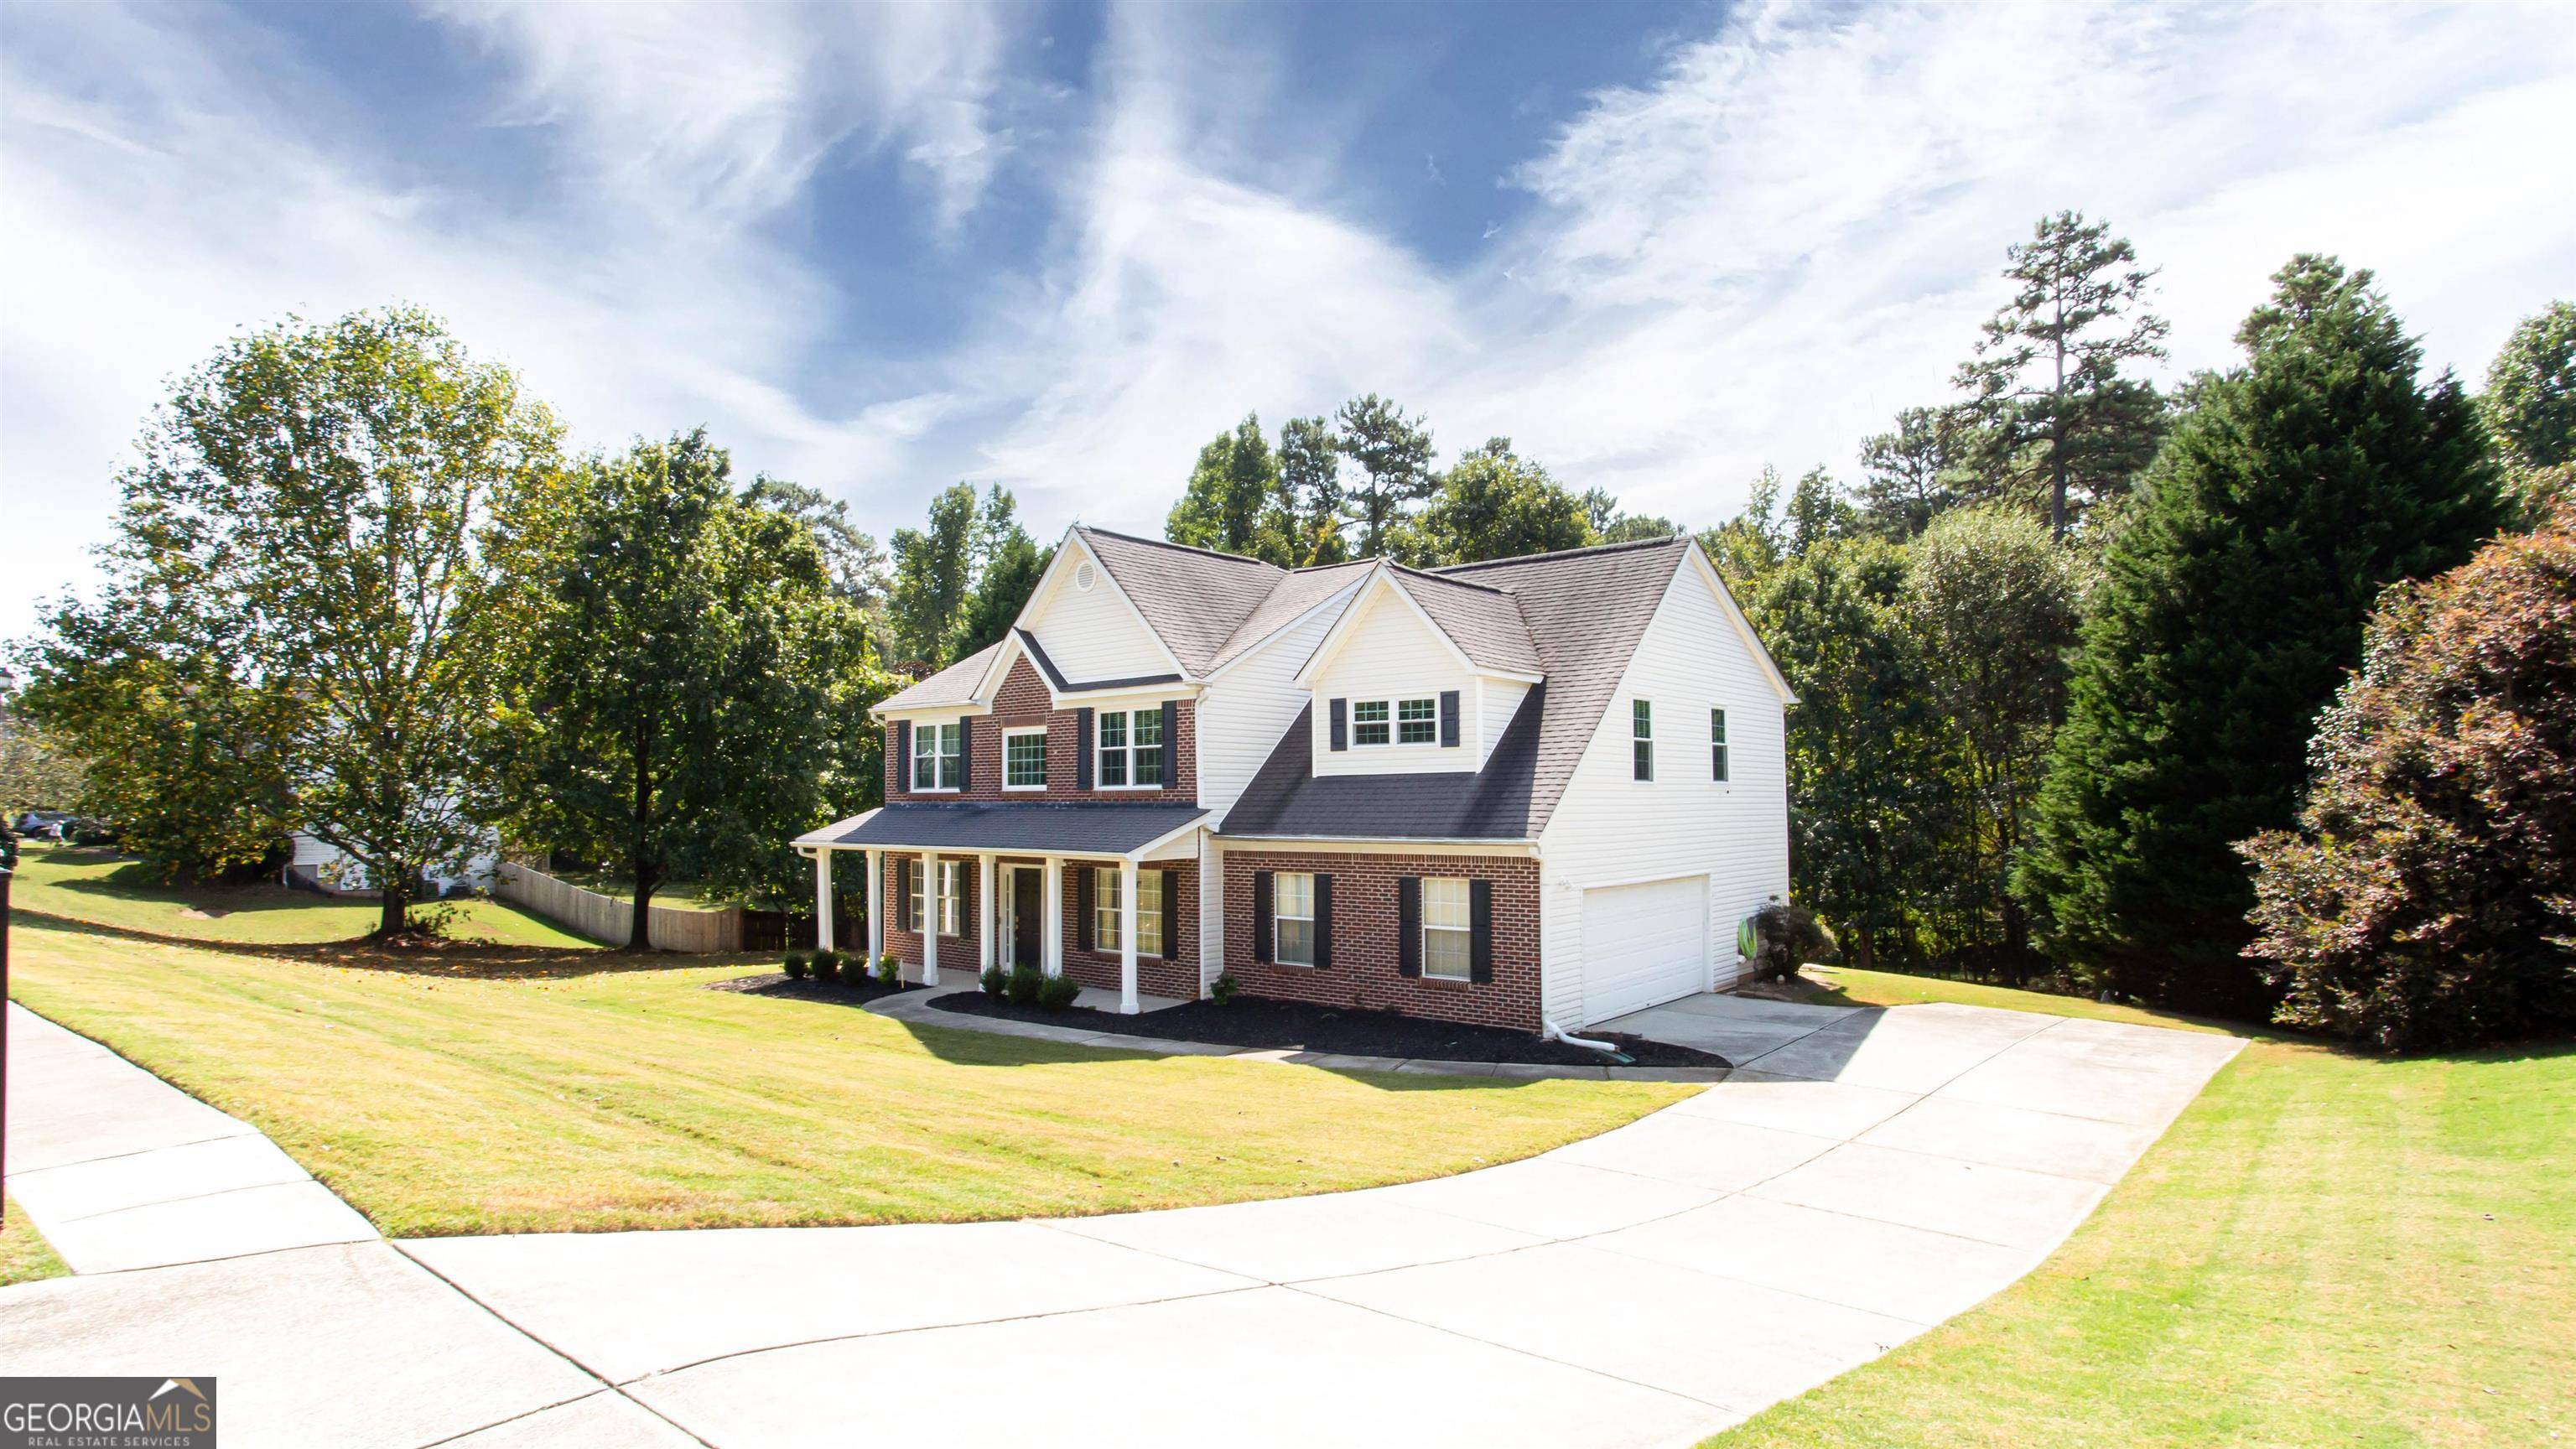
(25, 1256)
(2325, 1249)
(100, 888)
(634, 1099)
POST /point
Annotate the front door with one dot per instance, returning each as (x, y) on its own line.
(1026, 916)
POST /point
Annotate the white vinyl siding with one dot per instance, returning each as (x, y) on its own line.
(1607, 832)
(1447, 935)
(1387, 656)
(1293, 917)
(1092, 635)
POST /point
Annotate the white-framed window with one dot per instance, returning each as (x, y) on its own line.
(912, 895)
(1447, 929)
(1024, 759)
(952, 897)
(935, 750)
(1130, 748)
(1417, 721)
(1292, 918)
(1641, 739)
(1717, 745)
(1105, 902)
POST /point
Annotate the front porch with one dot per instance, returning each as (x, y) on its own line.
(955, 889)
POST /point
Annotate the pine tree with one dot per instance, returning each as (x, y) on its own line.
(1310, 492)
(2045, 385)
(2296, 488)
(1394, 454)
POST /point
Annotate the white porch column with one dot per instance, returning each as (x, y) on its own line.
(929, 919)
(876, 909)
(823, 898)
(985, 888)
(1127, 937)
(1051, 949)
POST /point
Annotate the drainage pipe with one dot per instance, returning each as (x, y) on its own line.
(1558, 1033)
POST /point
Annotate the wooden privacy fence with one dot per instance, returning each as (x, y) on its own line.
(606, 918)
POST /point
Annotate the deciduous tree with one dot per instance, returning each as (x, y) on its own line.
(1494, 503)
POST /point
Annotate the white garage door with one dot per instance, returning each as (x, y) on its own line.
(1643, 944)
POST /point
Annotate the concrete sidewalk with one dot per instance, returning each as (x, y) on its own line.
(1625, 1290)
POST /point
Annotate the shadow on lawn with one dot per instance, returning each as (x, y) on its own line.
(481, 960)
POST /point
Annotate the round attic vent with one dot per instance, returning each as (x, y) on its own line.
(1084, 576)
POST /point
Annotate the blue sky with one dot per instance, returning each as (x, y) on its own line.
(878, 249)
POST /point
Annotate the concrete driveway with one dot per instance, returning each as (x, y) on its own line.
(1869, 1174)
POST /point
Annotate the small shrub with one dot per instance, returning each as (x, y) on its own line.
(795, 965)
(1055, 993)
(1223, 991)
(1026, 984)
(995, 981)
(826, 964)
(1780, 937)
(889, 971)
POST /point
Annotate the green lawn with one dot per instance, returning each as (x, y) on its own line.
(102, 888)
(592, 1100)
(25, 1256)
(2324, 1250)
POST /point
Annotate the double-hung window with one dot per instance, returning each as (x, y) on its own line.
(1369, 723)
(952, 897)
(1131, 747)
(935, 750)
(1024, 760)
(1417, 721)
(1395, 721)
(1447, 929)
(1293, 918)
(912, 895)
(1641, 739)
(1717, 745)
(1106, 898)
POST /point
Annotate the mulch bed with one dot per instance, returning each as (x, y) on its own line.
(1290, 1025)
(841, 993)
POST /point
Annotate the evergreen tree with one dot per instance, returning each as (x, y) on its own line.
(1310, 492)
(1911, 473)
(2046, 380)
(1493, 503)
(1394, 456)
(1234, 501)
(933, 571)
(2296, 489)
(2530, 407)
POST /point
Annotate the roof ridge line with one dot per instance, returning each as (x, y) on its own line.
(1439, 578)
(1183, 547)
(1596, 548)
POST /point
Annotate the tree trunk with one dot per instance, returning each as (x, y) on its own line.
(393, 906)
(639, 925)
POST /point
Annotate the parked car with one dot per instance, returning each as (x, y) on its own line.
(43, 824)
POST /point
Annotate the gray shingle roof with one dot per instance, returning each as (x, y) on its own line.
(1485, 623)
(1055, 676)
(1194, 598)
(1585, 610)
(1296, 593)
(952, 685)
(1042, 829)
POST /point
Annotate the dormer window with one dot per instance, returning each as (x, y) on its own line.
(1369, 722)
(1417, 721)
(1395, 721)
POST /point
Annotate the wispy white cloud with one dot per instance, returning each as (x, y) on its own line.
(721, 112)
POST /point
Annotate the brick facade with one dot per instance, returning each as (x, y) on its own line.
(1175, 973)
(1364, 938)
(1022, 701)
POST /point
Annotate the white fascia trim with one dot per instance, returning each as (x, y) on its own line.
(1743, 626)
(935, 712)
(999, 668)
(1143, 694)
(1074, 534)
(1140, 853)
(1383, 844)
(1339, 596)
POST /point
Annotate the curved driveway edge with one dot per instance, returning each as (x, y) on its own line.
(1870, 1174)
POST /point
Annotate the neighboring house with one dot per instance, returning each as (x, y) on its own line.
(1535, 793)
(319, 865)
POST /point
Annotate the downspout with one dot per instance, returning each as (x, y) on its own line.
(1558, 1033)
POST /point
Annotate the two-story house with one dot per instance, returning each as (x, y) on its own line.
(1533, 793)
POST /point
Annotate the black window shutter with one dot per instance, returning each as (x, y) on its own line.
(1341, 724)
(1448, 719)
(1082, 902)
(1261, 915)
(1171, 744)
(966, 753)
(1408, 925)
(903, 755)
(1323, 921)
(1082, 744)
(1172, 914)
(1480, 935)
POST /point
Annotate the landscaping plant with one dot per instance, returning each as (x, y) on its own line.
(827, 965)
(890, 972)
(1226, 986)
(995, 982)
(1055, 993)
(1026, 983)
(795, 965)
